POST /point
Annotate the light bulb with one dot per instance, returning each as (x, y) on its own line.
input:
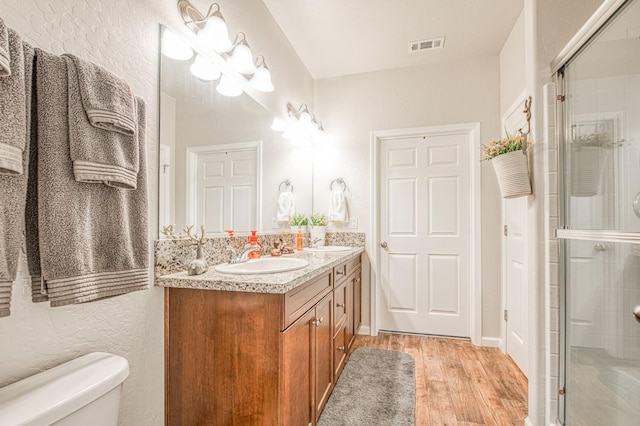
(261, 80)
(241, 59)
(305, 118)
(277, 125)
(204, 69)
(215, 33)
(228, 87)
(174, 47)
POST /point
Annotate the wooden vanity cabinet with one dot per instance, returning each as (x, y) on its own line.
(347, 319)
(235, 358)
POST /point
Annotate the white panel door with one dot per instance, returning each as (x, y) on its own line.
(425, 227)
(515, 282)
(225, 191)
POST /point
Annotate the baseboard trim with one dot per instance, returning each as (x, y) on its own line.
(492, 342)
(527, 421)
(365, 329)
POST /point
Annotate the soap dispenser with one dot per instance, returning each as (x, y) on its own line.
(253, 241)
(299, 240)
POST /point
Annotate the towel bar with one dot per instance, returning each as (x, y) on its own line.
(339, 181)
(286, 183)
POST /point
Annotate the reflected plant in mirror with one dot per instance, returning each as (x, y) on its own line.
(220, 162)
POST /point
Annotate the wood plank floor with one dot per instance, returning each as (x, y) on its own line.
(458, 383)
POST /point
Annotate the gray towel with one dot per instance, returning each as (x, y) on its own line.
(5, 58)
(99, 155)
(13, 126)
(13, 189)
(107, 99)
(93, 239)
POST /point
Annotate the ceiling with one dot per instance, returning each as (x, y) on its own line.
(341, 37)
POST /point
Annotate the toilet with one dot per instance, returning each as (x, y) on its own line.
(84, 391)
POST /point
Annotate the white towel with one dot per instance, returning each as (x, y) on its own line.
(338, 211)
(286, 206)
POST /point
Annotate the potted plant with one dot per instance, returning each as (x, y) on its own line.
(318, 228)
(588, 157)
(510, 164)
(298, 221)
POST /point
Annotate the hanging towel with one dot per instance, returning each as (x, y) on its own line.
(286, 206)
(338, 211)
(5, 57)
(98, 155)
(13, 187)
(93, 239)
(13, 125)
(108, 100)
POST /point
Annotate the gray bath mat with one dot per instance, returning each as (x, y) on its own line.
(377, 387)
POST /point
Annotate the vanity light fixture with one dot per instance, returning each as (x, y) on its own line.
(211, 28)
(204, 69)
(301, 128)
(228, 87)
(261, 79)
(174, 47)
(241, 58)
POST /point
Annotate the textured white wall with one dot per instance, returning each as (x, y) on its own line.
(449, 93)
(123, 36)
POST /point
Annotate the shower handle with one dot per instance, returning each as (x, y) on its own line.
(636, 312)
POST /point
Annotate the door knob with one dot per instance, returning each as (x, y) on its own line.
(383, 244)
(636, 312)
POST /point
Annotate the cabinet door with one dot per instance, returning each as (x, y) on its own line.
(348, 335)
(323, 352)
(357, 302)
(297, 403)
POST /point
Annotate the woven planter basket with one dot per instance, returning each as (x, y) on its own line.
(513, 174)
(587, 163)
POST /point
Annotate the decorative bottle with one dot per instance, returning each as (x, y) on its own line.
(299, 240)
(253, 241)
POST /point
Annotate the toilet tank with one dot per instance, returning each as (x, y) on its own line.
(83, 391)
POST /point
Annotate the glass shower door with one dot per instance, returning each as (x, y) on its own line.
(601, 235)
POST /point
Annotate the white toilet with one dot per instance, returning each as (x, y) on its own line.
(84, 391)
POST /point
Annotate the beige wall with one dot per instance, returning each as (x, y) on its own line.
(123, 36)
(430, 95)
(512, 69)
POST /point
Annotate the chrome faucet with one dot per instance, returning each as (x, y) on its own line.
(313, 242)
(242, 255)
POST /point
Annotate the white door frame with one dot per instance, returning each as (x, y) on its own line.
(475, 284)
(516, 106)
(192, 164)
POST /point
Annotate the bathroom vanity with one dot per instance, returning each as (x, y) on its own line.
(259, 349)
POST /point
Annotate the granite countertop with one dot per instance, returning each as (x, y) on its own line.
(278, 283)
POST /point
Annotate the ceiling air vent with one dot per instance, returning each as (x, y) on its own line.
(432, 43)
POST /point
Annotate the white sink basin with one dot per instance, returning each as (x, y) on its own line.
(327, 249)
(266, 265)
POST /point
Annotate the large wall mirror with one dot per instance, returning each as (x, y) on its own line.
(221, 165)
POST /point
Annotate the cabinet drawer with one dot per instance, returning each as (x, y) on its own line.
(340, 307)
(339, 352)
(300, 299)
(342, 271)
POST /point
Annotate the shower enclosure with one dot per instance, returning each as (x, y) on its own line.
(601, 230)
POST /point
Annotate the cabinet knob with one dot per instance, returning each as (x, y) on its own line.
(340, 272)
(340, 305)
(357, 280)
(341, 348)
(318, 321)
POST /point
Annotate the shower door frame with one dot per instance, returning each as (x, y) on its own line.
(603, 14)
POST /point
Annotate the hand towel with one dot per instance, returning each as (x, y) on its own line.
(286, 206)
(338, 211)
(108, 100)
(5, 57)
(99, 155)
(92, 239)
(13, 125)
(13, 190)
